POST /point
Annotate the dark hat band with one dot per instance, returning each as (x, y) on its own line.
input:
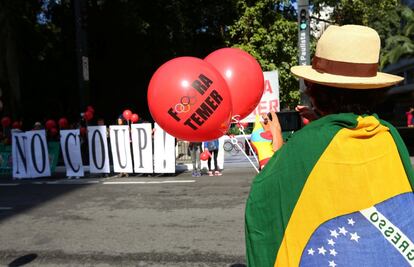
(344, 68)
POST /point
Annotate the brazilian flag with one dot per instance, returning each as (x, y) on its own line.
(338, 193)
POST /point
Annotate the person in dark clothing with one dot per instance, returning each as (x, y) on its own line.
(213, 147)
(195, 149)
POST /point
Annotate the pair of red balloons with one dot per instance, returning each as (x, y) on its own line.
(129, 116)
(194, 99)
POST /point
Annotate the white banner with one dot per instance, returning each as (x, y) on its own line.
(37, 154)
(19, 159)
(142, 147)
(98, 149)
(71, 151)
(270, 98)
(121, 148)
(164, 151)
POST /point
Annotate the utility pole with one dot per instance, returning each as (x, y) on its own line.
(303, 44)
(82, 59)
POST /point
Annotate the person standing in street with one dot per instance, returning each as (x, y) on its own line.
(213, 147)
(195, 150)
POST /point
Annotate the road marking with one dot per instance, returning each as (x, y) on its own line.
(6, 208)
(8, 184)
(152, 182)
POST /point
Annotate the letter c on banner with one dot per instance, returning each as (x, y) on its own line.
(94, 150)
(34, 161)
(67, 151)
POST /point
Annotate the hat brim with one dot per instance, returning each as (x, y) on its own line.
(381, 80)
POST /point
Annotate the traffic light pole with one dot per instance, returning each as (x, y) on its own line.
(303, 44)
(80, 8)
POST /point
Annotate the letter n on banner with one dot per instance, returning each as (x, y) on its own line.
(19, 158)
(98, 149)
(142, 147)
(38, 154)
(164, 151)
(71, 151)
(121, 148)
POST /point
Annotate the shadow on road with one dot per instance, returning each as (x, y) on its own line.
(23, 260)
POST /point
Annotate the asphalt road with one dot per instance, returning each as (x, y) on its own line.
(137, 221)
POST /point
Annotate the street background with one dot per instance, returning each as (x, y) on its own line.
(174, 220)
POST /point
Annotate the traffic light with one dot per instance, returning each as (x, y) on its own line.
(303, 19)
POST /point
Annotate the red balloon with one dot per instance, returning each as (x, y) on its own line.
(305, 121)
(127, 114)
(243, 75)
(134, 118)
(88, 115)
(5, 122)
(53, 132)
(50, 124)
(90, 108)
(244, 124)
(190, 100)
(205, 155)
(82, 131)
(17, 125)
(63, 123)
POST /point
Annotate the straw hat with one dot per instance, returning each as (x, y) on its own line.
(347, 57)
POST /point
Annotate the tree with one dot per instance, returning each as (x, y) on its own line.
(14, 16)
(393, 22)
(401, 44)
(268, 30)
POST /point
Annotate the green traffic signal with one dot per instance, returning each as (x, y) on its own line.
(303, 19)
(303, 25)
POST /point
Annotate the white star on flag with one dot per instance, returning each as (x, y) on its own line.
(322, 250)
(351, 221)
(331, 242)
(332, 264)
(355, 236)
(333, 252)
(311, 251)
(342, 230)
(334, 233)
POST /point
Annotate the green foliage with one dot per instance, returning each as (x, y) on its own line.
(400, 44)
(268, 30)
(393, 22)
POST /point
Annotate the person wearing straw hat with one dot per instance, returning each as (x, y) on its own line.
(339, 191)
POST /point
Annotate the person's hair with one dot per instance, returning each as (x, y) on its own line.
(331, 100)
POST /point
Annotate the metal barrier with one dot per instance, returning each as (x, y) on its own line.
(181, 152)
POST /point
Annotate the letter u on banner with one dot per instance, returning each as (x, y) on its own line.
(38, 154)
(71, 151)
(20, 169)
(121, 148)
(164, 151)
(142, 147)
(98, 149)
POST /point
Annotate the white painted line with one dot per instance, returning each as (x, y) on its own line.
(152, 182)
(6, 208)
(8, 184)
